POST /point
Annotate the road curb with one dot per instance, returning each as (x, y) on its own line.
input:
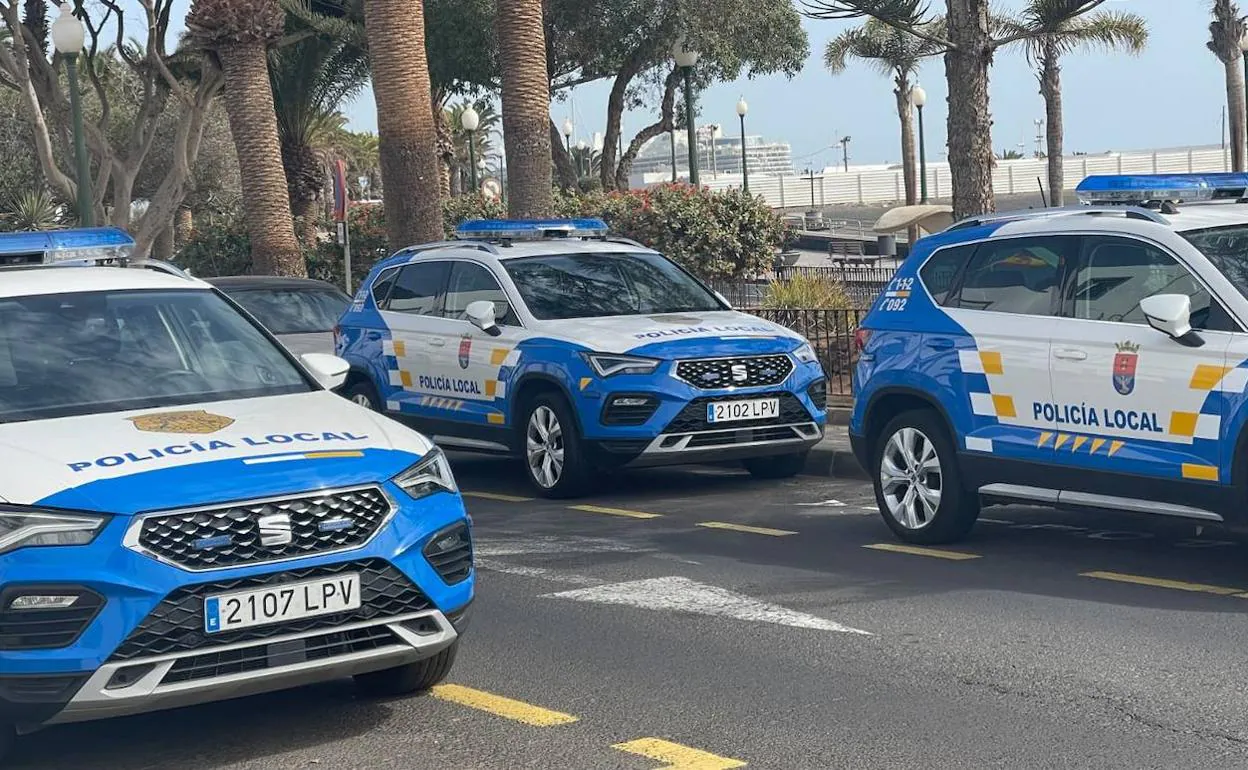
(834, 461)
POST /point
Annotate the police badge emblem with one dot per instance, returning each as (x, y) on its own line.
(191, 421)
(1125, 361)
(465, 352)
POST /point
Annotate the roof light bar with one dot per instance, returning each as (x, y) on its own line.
(1150, 188)
(530, 229)
(84, 246)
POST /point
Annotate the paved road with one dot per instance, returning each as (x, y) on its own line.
(639, 628)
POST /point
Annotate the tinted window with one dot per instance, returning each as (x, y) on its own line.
(418, 288)
(1018, 275)
(385, 282)
(1227, 249)
(294, 311)
(941, 269)
(612, 284)
(71, 354)
(471, 283)
(1116, 273)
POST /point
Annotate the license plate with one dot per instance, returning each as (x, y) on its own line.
(281, 603)
(733, 411)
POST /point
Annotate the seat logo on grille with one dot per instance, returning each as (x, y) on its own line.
(276, 530)
(740, 373)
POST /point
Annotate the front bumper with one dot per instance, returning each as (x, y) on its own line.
(146, 649)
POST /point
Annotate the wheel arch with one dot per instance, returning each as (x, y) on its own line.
(887, 403)
(529, 386)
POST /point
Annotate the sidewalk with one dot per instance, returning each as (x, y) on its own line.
(832, 456)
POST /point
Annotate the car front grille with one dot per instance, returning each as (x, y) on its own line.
(177, 623)
(693, 417)
(45, 629)
(751, 372)
(257, 531)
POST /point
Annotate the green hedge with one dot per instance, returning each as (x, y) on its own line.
(715, 235)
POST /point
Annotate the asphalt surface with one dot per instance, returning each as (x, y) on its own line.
(631, 628)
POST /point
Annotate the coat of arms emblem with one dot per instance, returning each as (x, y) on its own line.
(190, 421)
(1125, 362)
(465, 352)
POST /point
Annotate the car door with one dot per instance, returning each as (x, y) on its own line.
(1006, 304)
(410, 312)
(469, 369)
(1145, 397)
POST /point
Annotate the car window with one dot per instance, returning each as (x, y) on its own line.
(1116, 273)
(1017, 275)
(293, 310)
(91, 352)
(382, 286)
(941, 269)
(606, 284)
(418, 288)
(470, 283)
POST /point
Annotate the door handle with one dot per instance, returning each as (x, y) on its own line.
(1071, 355)
(437, 342)
(940, 343)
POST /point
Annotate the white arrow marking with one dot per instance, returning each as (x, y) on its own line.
(684, 595)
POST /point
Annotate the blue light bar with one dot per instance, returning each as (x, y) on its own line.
(1147, 188)
(530, 229)
(86, 245)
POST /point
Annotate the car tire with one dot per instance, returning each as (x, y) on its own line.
(918, 484)
(776, 467)
(555, 464)
(8, 737)
(364, 394)
(411, 678)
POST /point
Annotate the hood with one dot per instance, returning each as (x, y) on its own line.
(150, 459)
(310, 342)
(726, 332)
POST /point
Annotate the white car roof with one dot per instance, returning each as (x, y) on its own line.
(535, 248)
(26, 282)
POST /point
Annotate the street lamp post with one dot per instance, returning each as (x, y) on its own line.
(672, 135)
(581, 146)
(686, 59)
(567, 134)
(1243, 46)
(470, 120)
(742, 109)
(68, 37)
(918, 97)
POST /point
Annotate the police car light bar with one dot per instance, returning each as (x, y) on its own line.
(1156, 188)
(81, 246)
(530, 229)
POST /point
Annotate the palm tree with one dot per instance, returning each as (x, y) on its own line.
(1049, 33)
(409, 136)
(1225, 32)
(238, 33)
(526, 107)
(893, 52)
(311, 80)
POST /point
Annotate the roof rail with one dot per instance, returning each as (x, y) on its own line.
(160, 266)
(1131, 212)
(626, 242)
(489, 248)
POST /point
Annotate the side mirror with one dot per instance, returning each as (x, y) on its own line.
(481, 315)
(330, 371)
(1169, 313)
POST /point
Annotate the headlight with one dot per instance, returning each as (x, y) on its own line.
(431, 474)
(21, 528)
(606, 364)
(805, 354)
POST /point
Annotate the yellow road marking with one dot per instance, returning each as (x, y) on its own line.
(500, 706)
(1201, 472)
(746, 528)
(499, 497)
(676, 756)
(1177, 585)
(1207, 376)
(915, 550)
(614, 511)
(327, 455)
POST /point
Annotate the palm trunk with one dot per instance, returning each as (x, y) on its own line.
(253, 124)
(909, 172)
(1235, 107)
(409, 137)
(526, 107)
(1051, 90)
(970, 122)
(446, 147)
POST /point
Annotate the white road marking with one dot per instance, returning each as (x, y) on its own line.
(824, 504)
(995, 521)
(522, 546)
(542, 573)
(685, 595)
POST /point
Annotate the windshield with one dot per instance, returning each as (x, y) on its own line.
(606, 284)
(293, 311)
(92, 352)
(1227, 249)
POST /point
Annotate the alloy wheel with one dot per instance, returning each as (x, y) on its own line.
(544, 447)
(911, 478)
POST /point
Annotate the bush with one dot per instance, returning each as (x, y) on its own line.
(807, 292)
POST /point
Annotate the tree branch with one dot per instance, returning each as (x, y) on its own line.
(904, 15)
(666, 123)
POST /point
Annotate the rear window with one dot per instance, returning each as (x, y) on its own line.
(941, 270)
(294, 311)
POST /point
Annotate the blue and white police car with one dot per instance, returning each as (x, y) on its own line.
(577, 351)
(188, 514)
(1093, 357)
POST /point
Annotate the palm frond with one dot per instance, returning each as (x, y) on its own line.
(1106, 31)
(884, 48)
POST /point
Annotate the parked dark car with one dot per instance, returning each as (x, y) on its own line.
(300, 312)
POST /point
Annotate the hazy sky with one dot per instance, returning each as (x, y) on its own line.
(1170, 95)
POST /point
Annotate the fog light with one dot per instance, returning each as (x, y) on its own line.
(43, 602)
(124, 677)
(447, 543)
(629, 401)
